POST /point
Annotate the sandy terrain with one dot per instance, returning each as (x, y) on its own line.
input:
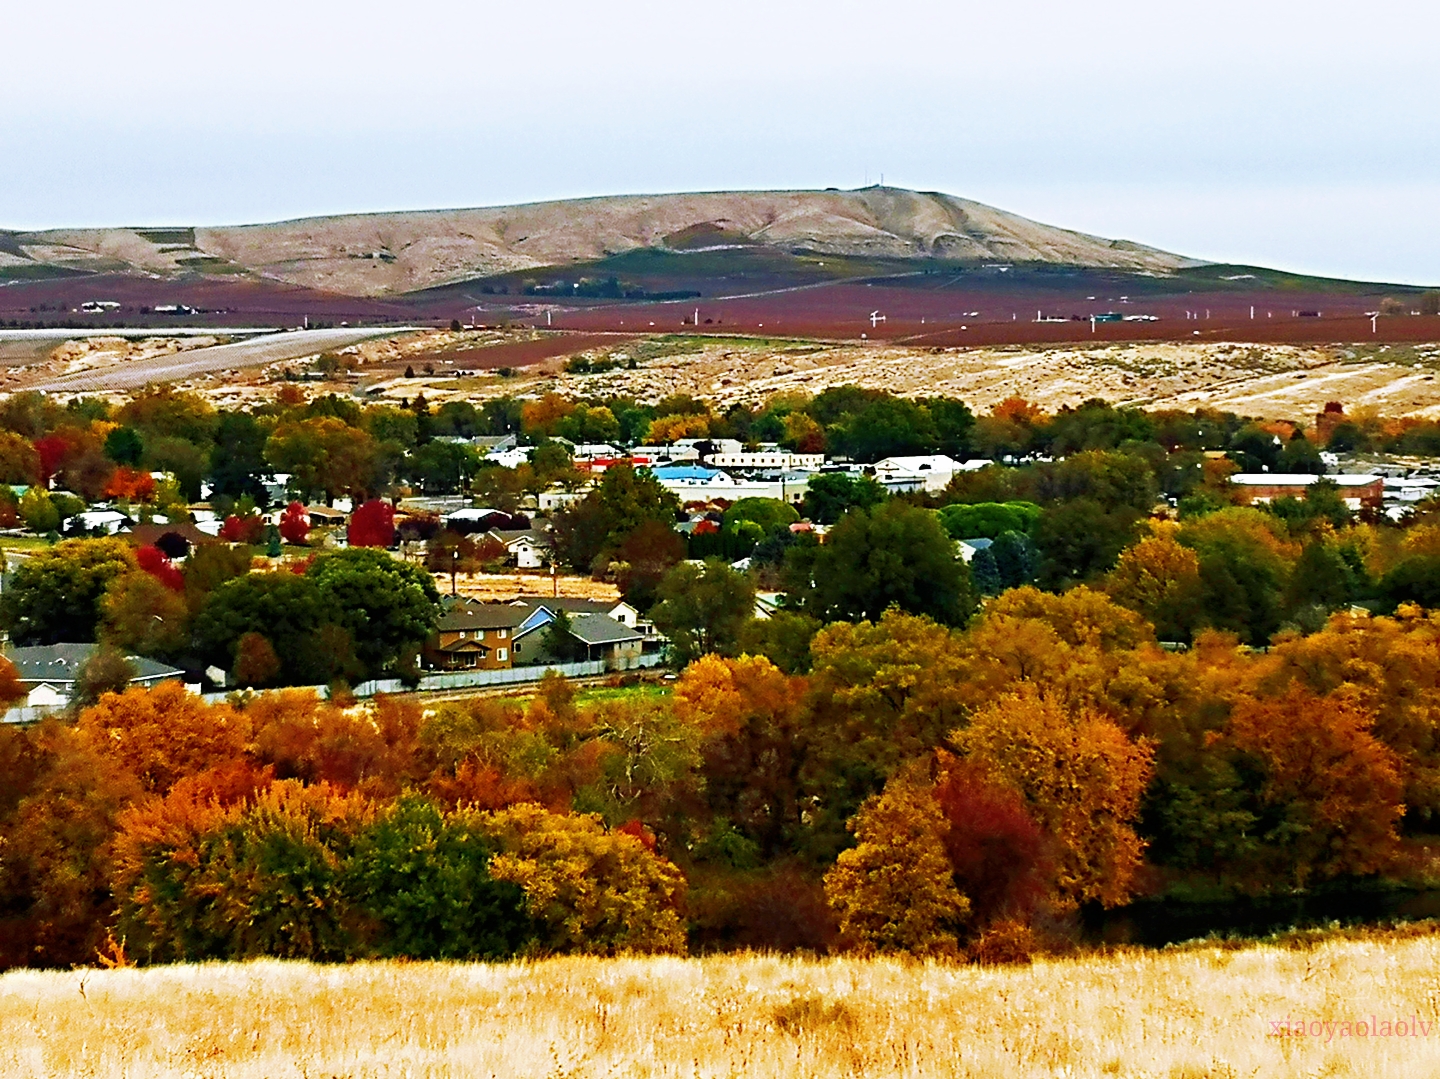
(1267, 380)
(86, 366)
(1261, 380)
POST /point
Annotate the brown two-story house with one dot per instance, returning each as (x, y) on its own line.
(474, 636)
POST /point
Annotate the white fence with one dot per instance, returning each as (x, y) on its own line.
(443, 680)
(429, 683)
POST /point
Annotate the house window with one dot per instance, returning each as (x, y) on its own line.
(501, 654)
(502, 633)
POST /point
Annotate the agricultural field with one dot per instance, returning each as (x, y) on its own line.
(1365, 1006)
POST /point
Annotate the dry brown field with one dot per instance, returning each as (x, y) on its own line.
(1373, 1004)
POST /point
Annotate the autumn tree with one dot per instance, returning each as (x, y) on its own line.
(589, 890)
(325, 456)
(295, 524)
(1331, 794)
(372, 525)
(752, 719)
(1160, 580)
(144, 616)
(999, 856)
(595, 526)
(895, 890)
(1081, 779)
(163, 734)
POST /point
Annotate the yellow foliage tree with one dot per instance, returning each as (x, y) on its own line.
(1160, 580)
(1082, 780)
(590, 891)
(666, 429)
(894, 891)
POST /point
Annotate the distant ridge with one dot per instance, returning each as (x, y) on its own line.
(395, 253)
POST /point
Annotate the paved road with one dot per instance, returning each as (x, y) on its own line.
(253, 353)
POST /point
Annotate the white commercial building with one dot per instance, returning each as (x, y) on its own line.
(933, 471)
(768, 459)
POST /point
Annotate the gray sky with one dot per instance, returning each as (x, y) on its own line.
(1299, 135)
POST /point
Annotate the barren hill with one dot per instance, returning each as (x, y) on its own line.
(394, 253)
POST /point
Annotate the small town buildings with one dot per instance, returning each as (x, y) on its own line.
(769, 459)
(513, 457)
(49, 671)
(658, 455)
(707, 447)
(473, 636)
(697, 483)
(1357, 491)
(177, 540)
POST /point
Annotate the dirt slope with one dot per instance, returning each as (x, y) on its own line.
(391, 253)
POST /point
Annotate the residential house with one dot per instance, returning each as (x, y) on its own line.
(528, 548)
(558, 498)
(474, 636)
(605, 639)
(530, 637)
(99, 522)
(513, 457)
(471, 519)
(325, 517)
(49, 671)
(933, 471)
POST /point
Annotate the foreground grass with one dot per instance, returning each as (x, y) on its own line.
(1184, 1014)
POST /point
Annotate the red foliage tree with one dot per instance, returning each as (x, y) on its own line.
(372, 525)
(295, 524)
(998, 852)
(52, 450)
(153, 561)
(248, 529)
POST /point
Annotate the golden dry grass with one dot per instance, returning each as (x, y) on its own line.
(1199, 1012)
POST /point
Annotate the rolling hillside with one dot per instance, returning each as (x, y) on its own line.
(397, 253)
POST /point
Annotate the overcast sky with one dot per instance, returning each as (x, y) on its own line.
(1296, 135)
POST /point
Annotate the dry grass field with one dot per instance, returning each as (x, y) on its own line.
(1183, 1014)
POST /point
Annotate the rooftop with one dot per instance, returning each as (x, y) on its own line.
(61, 663)
(468, 615)
(1298, 479)
(601, 629)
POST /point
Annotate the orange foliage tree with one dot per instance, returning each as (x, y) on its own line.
(1331, 793)
(1081, 779)
(163, 734)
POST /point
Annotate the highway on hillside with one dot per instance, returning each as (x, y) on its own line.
(256, 352)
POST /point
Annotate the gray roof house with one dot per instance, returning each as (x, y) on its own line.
(49, 671)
